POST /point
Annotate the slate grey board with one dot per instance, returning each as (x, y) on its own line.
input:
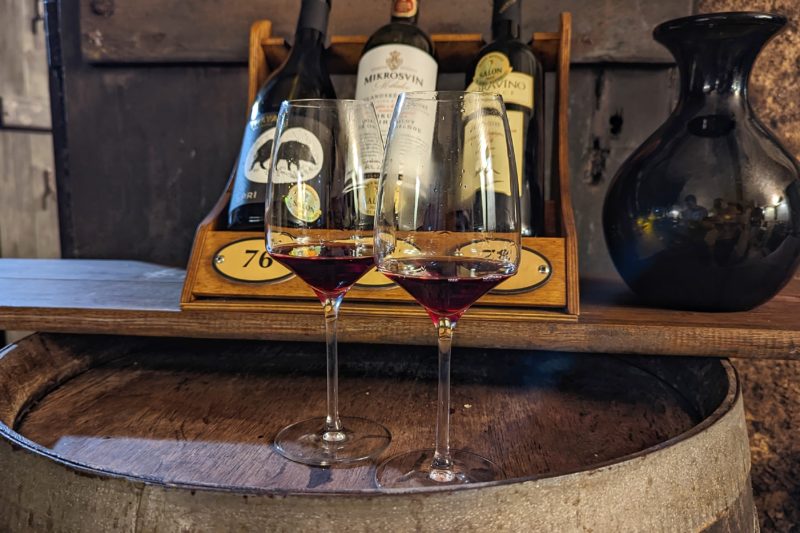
(201, 31)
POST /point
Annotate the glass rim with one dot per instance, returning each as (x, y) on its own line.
(324, 102)
(451, 96)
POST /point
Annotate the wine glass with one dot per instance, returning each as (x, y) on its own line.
(320, 206)
(447, 230)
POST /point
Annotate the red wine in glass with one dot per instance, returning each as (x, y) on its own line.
(447, 230)
(319, 216)
(447, 286)
(329, 268)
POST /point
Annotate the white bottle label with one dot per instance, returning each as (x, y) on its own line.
(386, 71)
(407, 165)
(494, 74)
(364, 161)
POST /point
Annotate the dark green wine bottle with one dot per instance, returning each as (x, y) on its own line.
(509, 67)
(303, 75)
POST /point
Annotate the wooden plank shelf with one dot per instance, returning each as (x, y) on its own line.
(134, 298)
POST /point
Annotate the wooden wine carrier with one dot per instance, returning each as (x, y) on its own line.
(557, 297)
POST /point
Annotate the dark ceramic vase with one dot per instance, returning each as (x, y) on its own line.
(705, 215)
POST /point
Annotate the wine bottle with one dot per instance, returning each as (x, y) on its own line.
(303, 75)
(509, 67)
(398, 57)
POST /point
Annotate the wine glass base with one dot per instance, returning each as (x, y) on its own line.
(307, 442)
(413, 469)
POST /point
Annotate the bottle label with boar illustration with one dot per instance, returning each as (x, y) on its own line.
(301, 170)
(254, 160)
(299, 155)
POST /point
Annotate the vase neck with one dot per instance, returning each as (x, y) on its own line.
(715, 53)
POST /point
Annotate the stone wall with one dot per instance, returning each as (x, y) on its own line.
(772, 388)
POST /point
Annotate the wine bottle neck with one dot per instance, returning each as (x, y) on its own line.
(309, 39)
(405, 11)
(313, 21)
(506, 16)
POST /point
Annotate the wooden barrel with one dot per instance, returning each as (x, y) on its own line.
(159, 435)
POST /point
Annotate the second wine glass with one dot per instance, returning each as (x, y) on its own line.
(323, 173)
(447, 230)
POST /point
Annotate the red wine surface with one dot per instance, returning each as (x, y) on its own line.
(330, 268)
(446, 287)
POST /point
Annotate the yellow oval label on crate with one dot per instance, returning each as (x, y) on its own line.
(534, 271)
(374, 280)
(248, 261)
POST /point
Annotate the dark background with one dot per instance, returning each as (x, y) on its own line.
(154, 98)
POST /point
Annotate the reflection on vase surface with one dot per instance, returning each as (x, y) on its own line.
(704, 215)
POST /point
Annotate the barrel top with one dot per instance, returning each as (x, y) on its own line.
(202, 414)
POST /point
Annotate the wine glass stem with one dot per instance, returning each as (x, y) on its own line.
(333, 426)
(442, 465)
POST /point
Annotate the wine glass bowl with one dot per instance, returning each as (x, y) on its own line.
(447, 230)
(324, 167)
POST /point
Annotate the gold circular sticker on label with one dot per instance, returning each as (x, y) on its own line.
(491, 68)
(303, 203)
(370, 197)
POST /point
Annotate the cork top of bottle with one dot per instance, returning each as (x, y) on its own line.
(405, 9)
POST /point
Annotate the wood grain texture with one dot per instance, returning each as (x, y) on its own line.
(160, 31)
(28, 206)
(28, 201)
(24, 94)
(173, 435)
(561, 187)
(149, 411)
(56, 296)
